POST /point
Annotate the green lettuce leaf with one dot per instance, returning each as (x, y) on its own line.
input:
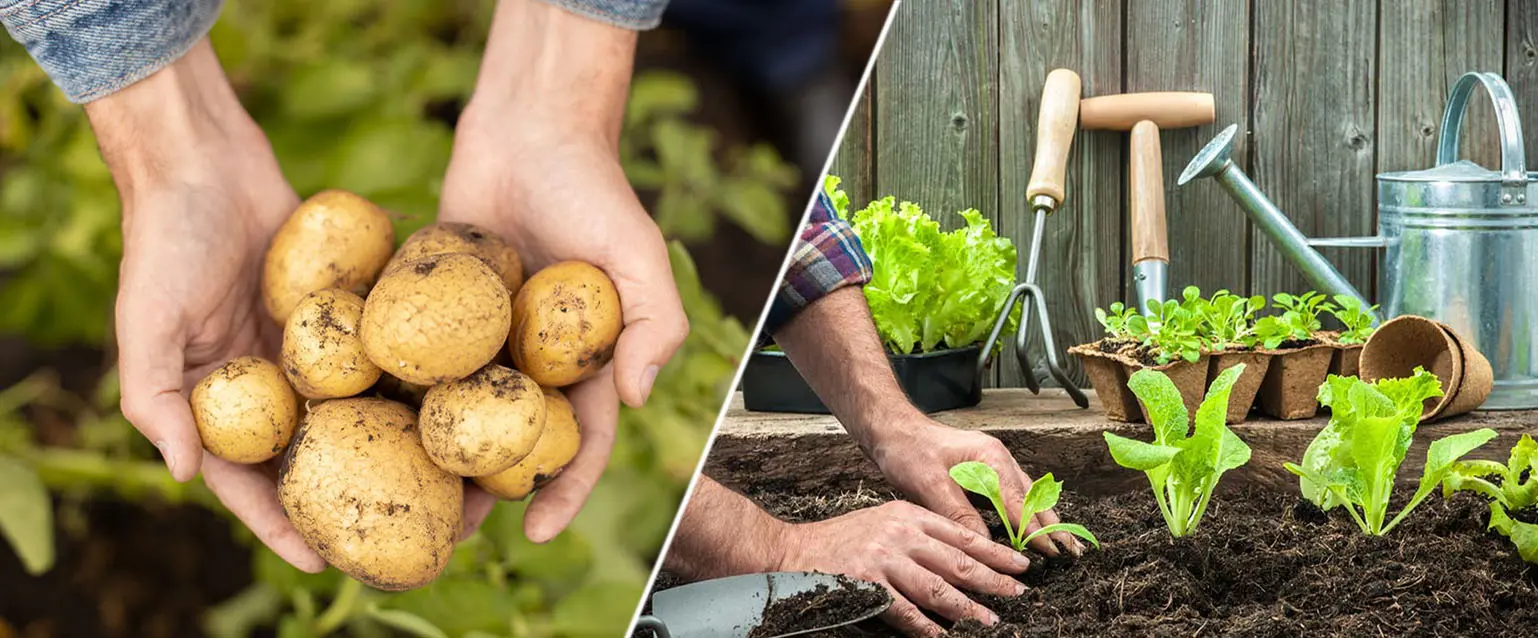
(930, 289)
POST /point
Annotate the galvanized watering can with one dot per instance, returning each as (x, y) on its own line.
(1460, 242)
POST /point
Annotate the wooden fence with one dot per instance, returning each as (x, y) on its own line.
(1328, 92)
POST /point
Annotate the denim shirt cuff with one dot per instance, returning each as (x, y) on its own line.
(636, 15)
(93, 48)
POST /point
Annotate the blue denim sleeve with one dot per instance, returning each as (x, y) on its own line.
(637, 15)
(93, 48)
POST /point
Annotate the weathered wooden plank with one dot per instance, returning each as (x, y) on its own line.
(1183, 46)
(1081, 253)
(854, 162)
(812, 454)
(936, 100)
(1522, 68)
(1312, 149)
(1424, 47)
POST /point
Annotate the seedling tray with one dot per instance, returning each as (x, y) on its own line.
(934, 381)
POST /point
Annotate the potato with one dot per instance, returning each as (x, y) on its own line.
(360, 489)
(556, 447)
(566, 319)
(484, 423)
(451, 237)
(437, 319)
(245, 410)
(335, 239)
(322, 352)
(399, 391)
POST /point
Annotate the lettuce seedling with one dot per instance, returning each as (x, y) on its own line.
(1298, 322)
(1228, 320)
(1182, 465)
(1353, 460)
(1114, 320)
(980, 478)
(1515, 488)
(1169, 332)
(1355, 316)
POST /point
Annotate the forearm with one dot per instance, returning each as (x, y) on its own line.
(724, 534)
(185, 110)
(551, 70)
(834, 345)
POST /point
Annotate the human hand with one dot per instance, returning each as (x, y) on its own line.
(536, 160)
(920, 557)
(916, 457)
(202, 197)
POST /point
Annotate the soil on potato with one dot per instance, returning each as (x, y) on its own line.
(821, 607)
(1261, 564)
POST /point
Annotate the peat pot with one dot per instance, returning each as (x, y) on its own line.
(934, 381)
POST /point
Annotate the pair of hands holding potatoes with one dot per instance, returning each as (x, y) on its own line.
(203, 198)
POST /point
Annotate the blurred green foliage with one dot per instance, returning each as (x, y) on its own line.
(361, 95)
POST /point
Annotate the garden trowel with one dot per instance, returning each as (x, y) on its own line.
(733, 607)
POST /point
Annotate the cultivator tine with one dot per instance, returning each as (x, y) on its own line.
(1035, 301)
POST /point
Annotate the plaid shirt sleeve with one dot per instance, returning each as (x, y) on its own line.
(826, 257)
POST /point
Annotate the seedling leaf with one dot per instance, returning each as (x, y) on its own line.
(1071, 528)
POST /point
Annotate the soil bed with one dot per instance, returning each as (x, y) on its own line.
(819, 607)
(1262, 564)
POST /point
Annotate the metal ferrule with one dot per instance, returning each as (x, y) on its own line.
(1150, 278)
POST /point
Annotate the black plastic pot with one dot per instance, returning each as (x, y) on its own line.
(934, 381)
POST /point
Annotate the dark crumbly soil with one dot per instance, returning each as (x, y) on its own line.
(1293, 344)
(1261, 564)
(820, 607)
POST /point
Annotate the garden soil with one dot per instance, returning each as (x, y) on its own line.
(820, 607)
(1261, 564)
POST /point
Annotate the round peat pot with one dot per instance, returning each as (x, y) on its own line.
(934, 381)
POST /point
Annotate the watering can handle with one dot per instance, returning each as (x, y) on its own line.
(1513, 161)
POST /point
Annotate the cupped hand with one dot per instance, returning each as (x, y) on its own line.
(559, 196)
(923, 559)
(916, 458)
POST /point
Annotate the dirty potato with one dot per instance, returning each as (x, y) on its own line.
(452, 237)
(360, 489)
(556, 447)
(335, 239)
(566, 319)
(322, 352)
(245, 410)
(436, 319)
(483, 423)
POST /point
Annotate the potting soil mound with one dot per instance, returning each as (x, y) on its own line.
(821, 607)
(1261, 564)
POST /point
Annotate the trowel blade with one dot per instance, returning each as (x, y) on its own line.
(732, 607)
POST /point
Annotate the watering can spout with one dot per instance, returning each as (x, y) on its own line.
(1214, 161)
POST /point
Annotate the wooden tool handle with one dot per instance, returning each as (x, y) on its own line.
(1054, 135)
(1168, 110)
(1146, 195)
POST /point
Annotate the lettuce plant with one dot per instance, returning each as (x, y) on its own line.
(980, 478)
(1353, 461)
(1515, 488)
(1169, 332)
(930, 286)
(1227, 320)
(1114, 319)
(1183, 464)
(1355, 316)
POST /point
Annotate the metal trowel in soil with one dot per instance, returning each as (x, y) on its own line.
(734, 607)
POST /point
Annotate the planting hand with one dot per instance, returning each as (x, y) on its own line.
(916, 458)
(536, 160)
(202, 196)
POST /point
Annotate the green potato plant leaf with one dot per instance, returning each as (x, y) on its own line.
(1183, 463)
(981, 479)
(26, 515)
(1354, 460)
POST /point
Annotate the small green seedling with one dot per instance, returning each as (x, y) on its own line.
(1353, 461)
(1183, 465)
(980, 478)
(1298, 322)
(1169, 331)
(1515, 488)
(1355, 316)
(1114, 320)
(1228, 320)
